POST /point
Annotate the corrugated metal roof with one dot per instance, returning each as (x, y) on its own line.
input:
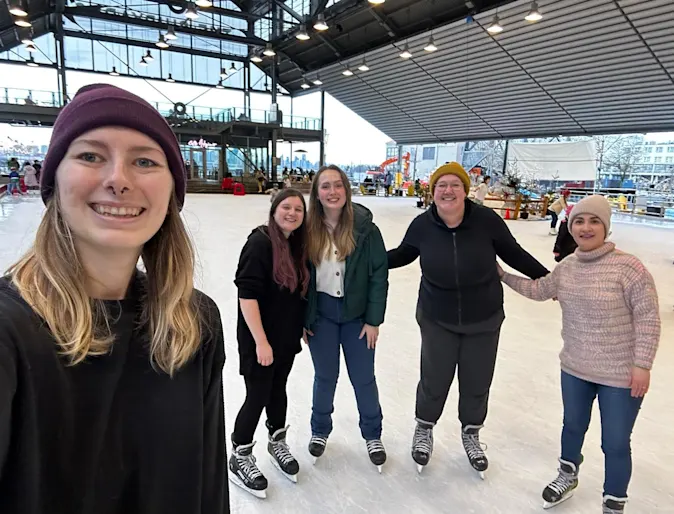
(588, 67)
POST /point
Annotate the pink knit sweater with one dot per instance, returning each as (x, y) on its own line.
(610, 314)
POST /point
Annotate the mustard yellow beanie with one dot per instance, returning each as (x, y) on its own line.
(451, 168)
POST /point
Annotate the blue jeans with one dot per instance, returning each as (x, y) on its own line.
(330, 332)
(618, 414)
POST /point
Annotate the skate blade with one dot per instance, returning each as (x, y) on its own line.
(314, 460)
(292, 478)
(237, 481)
(420, 468)
(549, 505)
(379, 468)
(481, 474)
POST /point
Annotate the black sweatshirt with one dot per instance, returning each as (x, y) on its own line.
(459, 280)
(281, 311)
(109, 435)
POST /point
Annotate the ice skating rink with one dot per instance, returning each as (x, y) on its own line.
(522, 430)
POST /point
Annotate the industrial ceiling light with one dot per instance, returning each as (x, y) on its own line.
(406, 54)
(219, 85)
(318, 81)
(171, 33)
(27, 40)
(232, 68)
(170, 78)
(16, 9)
(495, 26)
(204, 3)
(256, 58)
(20, 22)
(162, 42)
(302, 34)
(376, 2)
(31, 48)
(364, 66)
(305, 85)
(431, 47)
(31, 62)
(534, 13)
(191, 12)
(113, 72)
(148, 57)
(347, 71)
(142, 62)
(223, 73)
(269, 51)
(321, 24)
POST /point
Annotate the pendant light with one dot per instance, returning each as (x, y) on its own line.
(376, 2)
(171, 33)
(223, 73)
(204, 3)
(170, 78)
(256, 58)
(162, 42)
(302, 34)
(406, 54)
(318, 81)
(233, 69)
(31, 62)
(27, 40)
(269, 51)
(364, 66)
(305, 85)
(16, 9)
(142, 62)
(191, 12)
(495, 26)
(148, 57)
(219, 85)
(347, 71)
(31, 48)
(113, 72)
(534, 14)
(321, 24)
(430, 46)
(20, 22)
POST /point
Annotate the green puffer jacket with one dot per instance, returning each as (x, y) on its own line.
(365, 276)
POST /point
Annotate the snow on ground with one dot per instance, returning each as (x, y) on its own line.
(522, 430)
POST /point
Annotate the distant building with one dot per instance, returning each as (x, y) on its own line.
(424, 159)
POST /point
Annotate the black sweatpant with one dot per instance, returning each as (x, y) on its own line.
(442, 351)
(265, 390)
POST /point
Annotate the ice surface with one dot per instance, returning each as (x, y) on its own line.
(522, 430)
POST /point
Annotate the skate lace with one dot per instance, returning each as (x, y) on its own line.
(563, 481)
(282, 452)
(423, 439)
(374, 446)
(248, 466)
(474, 448)
(316, 439)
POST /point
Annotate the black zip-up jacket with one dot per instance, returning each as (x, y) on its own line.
(459, 280)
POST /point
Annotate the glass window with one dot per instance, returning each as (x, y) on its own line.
(107, 55)
(649, 149)
(152, 70)
(79, 53)
(670, 149)
(658, 159)
(669, 160)
(178, 65)
(428, 153)
(659, 149)
(206, 70)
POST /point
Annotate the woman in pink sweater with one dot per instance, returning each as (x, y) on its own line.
(611, 330)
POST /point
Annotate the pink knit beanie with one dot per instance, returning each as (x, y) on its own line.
(595, 205)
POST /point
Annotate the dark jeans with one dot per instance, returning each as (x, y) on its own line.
(442, 352)
(265, 389)
(618, 413)
(330, 332)
(555, 217)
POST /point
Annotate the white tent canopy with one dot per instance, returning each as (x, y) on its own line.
(566, 162)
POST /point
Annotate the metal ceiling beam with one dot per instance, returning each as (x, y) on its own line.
(214, 10)
(95, 13)
(318, 6)
(290, 11)
(384, 22)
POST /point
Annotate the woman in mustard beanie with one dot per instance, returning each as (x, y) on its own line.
(460, 307)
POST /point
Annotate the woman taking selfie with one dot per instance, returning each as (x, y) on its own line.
(347, 301)
(111, 394)
(272, 279)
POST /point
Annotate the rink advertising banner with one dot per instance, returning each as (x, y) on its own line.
(565, 162)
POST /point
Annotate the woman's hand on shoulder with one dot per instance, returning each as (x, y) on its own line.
(372, 334)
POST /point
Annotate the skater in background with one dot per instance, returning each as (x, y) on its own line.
(556, 209)
(611, 331)
(565, 244)
(13, 186)
(273, 192)
(482, 190)
(460, 307)
(272, 280)
(30, 176)
(347, 302)
(111, 395)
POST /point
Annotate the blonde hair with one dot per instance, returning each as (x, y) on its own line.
(320, 238)
(51, 279)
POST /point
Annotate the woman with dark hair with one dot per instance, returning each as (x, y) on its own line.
(346, 305)
(272, 279)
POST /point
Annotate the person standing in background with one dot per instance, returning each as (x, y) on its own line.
(482, 190)
(30, 176)
(346, 306)
(272, 280)
(556, 209)
(460, 307)
(565, 245)
(611, 331)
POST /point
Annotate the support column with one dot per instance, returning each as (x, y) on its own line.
(321, 159)
(61, 60)
(505, 157)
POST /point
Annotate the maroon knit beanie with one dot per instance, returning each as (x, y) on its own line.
(103, 105)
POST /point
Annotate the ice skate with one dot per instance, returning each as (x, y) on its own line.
(244, 472)
(422, 444)
(613, 505)
(470, 436)
(553, 232)
(317, 446)
(562, 487)
(377, 452)
(280, 455)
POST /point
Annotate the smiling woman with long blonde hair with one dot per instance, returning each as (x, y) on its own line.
(110, 379)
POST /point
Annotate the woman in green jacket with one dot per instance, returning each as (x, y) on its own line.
(347, 301)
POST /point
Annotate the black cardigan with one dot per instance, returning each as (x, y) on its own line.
(110, 435)
(281, 311)
(459, 281)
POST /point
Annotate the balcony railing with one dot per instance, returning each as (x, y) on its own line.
(30, 97)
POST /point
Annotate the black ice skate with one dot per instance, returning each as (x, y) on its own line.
(317, 446)
(613, 505)
(422, 444)
(281, 456)
(377, 452)
(244, 472)
(562, 487)
(470, 437)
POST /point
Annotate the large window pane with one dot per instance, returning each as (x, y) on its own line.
(107, 55)
(206, 70)
(78, 53)
(152, 70)
(178, 65)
